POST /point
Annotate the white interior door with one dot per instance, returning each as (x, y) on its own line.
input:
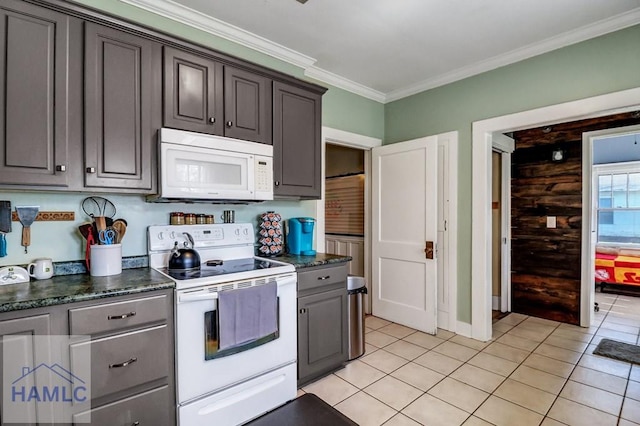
(404, 219)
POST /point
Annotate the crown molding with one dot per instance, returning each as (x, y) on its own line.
(344, 83)
(211, 25)
(568, 38)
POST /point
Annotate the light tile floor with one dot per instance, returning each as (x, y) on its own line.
(533, 372)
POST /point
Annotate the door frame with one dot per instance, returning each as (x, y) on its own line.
(357, 141)
(590, 203)
(366, 143)
(505, 145)
(482, 131)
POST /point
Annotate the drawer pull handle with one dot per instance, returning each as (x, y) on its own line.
(123, 364)
(136, 423)
(123, 316)
(326, 277)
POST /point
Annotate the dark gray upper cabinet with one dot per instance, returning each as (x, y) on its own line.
(122, 108)
(296, 142)
(34, 107)
(247, 105)
(193, 97)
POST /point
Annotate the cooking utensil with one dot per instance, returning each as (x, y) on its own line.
(98, 206)
(120, 226)
(5, 225)
(184, 259)
(107, 236)
(101, 223)
(87, 256)
(27, 214)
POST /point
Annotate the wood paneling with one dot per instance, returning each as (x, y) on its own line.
(545, 262)
(344, 205)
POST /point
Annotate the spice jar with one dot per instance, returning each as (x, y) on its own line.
(176, 218)
(201, 219)
(189, 218)
(209, 219)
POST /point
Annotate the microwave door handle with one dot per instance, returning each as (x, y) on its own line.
(186, 298)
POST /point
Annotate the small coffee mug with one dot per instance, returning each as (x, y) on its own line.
(41, 269)
(228, 216)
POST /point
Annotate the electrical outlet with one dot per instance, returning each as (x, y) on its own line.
(551, 221)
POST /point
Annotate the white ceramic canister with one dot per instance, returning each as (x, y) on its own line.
(106, 259)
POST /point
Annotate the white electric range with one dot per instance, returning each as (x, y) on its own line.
(233, 385)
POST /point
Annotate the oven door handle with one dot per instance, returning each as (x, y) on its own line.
(185, 298)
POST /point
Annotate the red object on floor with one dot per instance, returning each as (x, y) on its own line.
(617, 269)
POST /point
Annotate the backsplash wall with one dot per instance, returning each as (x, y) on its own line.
(61, 241)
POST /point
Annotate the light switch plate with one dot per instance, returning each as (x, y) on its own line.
(551, 221)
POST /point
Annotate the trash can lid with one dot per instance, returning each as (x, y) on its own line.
(354, 282)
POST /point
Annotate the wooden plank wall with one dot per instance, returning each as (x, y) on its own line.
(344, 205)
(545, 273)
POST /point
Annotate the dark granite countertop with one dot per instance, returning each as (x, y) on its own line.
(319, 259)
(75, 288)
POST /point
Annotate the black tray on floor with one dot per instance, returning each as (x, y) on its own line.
(308, 410)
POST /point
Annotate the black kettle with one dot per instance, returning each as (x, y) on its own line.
(184, 259)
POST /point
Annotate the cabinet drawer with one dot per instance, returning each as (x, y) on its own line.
(321, 277)
(126, 360)
(118, 316)
(149, 408)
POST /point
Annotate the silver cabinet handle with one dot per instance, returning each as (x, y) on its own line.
(324, 278)
(124, 364)
(303, 311)
(229, 123)
(91, 169)
(61, 168)
(136, 423)
(277, 183)
(212, 120)
(123, 316)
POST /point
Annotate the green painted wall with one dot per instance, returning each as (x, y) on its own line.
(602, 65)
(341, 109)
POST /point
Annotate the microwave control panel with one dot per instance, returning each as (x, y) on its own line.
(264, 174)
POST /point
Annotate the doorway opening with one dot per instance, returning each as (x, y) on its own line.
(345, 205)
(615, 209)
(482, 131)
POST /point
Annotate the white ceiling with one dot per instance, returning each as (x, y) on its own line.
(388, 49)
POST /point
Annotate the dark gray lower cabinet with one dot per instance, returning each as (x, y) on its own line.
(130, 339)
(26, 347)
(322, 321)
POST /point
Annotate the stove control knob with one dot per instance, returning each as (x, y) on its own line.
(245, 231)
(238, 231)
(172, 235)
(161, 236)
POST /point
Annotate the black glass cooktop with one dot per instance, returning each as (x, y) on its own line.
(217, 268)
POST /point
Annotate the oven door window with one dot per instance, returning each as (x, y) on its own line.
(212, 333)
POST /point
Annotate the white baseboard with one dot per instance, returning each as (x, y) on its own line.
(495, 303)
(463, 329)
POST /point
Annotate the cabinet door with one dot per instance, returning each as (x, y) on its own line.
(247, 106)
(192, 92)
(34, 109)
(122, 82)
(296, 142)
(20, 344)
(322, 333)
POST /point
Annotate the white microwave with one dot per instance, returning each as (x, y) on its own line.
(200, 167)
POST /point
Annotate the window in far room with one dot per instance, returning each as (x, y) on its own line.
(618, 203)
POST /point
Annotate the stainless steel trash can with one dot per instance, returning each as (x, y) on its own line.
(355, 311)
